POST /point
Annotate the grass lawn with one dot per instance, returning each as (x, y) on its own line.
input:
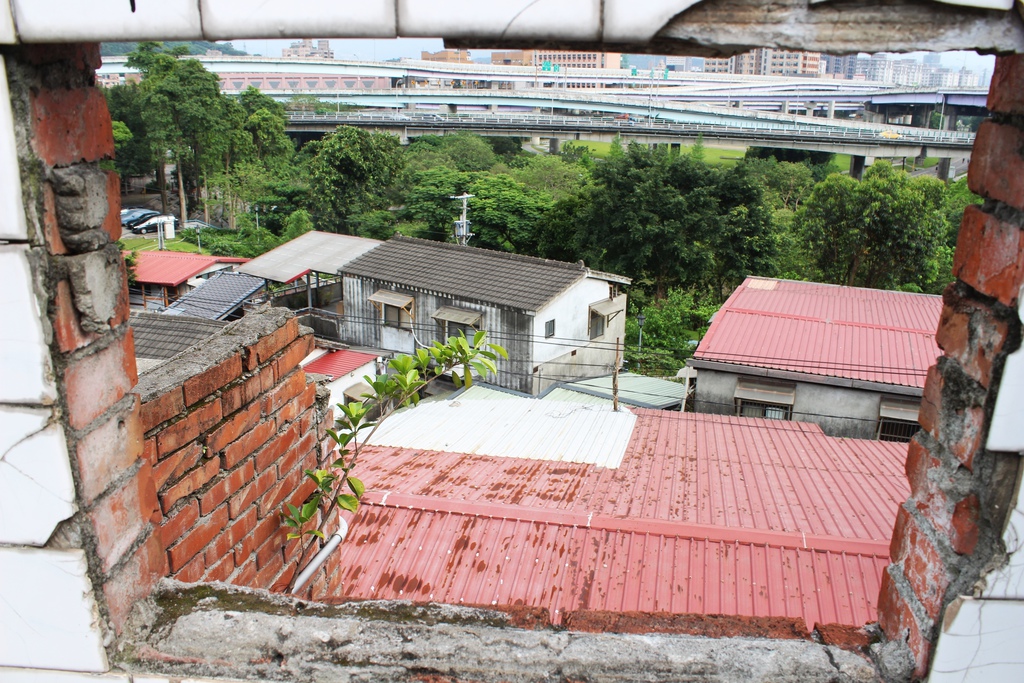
(712, 155)
(150, 244)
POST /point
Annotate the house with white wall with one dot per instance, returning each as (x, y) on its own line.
(558, 321)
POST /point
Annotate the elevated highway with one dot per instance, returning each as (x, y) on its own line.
(730, 126)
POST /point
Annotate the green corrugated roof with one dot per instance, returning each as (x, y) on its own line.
(638, 390)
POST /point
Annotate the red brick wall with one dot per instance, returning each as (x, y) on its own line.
(228, 435)
(948, 532)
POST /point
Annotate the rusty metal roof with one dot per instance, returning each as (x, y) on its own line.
(339, 363)
(849, 332)
(171, 268)
(707, 514)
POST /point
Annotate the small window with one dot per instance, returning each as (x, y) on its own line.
(397, 317)
(770, 411)
(596, 324)
(549, 328)
(764, 398)
(897, 419)
(896, 430)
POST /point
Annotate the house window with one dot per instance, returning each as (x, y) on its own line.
(397, 317)
(454, 320)
(897, 419)
(765, 399)
(549, 328)
(596, 324)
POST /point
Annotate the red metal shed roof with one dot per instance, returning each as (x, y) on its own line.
(338, 363)
(707, 514)
(171, 268)
(848, 332)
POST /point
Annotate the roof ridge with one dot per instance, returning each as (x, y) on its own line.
(507, 255)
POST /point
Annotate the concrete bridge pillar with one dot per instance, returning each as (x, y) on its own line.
(785, 107)
(832, 109)
(452, 108)
(535, 140)
(675, 148)
(856, 167)
(553, 145)
(493, 108)
(948, 123)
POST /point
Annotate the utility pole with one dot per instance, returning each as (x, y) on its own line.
(462, 233)
(615, 378)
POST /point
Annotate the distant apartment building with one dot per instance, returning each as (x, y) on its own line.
(843, 67)
(768, 62)
(571, 59)
(686, 64)
(305, 49)
(447, 56)
(718, 65)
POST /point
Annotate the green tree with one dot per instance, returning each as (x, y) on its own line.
(428, 201)
(672, 326)
(880, 232)
(135, 155)
(297, 223)
(350, 174)
(505, 214)
(551, 175)
(465, 152)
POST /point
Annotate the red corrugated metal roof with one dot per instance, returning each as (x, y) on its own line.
(848, 332)
(338, 363)
(171, 268)
(707, 514)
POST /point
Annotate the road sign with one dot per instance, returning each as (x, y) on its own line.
(556, 67)
(545, 65)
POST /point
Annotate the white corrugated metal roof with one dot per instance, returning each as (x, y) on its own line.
(568, 395)
(514, 428)
(321, 252)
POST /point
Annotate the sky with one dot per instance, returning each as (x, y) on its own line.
(380, 50)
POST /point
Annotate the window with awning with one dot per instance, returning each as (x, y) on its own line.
(764, 399)
(397, 309)
(897, 419)
(459, 316)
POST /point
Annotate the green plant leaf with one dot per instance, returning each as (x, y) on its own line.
(347, 502)
(309, 509)
(357, 486)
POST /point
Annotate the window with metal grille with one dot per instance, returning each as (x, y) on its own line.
(771, 411)
(549, 328)
(896, 430)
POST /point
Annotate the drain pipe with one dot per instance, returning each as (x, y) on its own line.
(333, 542)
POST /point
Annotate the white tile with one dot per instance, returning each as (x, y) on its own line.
(629, 20)
(36, 488)
(48, 675)
(981, 4)
(25, 360)
(1008, 581)
(69, 21)
(536, 19)
(980, 642)
(7, 34)
(48, 614)
(12, 215)
(1007, 430)
(287, 19)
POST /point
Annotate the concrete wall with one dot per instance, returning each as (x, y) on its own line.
(839, 411)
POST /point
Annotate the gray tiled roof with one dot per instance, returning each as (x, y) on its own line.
(496, 277)
(216, 298)
(160, 336)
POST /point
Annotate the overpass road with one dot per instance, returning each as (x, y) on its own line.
(793, 132)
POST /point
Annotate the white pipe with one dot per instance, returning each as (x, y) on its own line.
(333, 542)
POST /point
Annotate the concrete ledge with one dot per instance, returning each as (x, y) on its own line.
(213, 630)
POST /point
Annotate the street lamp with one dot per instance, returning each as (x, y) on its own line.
(640, 320)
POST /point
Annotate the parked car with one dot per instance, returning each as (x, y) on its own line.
(153, 224)
(132, 217)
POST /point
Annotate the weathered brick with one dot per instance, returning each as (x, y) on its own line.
(112, 222)
(918, 464)
(923, 566)
(964, 532)
(246, 574)
(71, 125)
(175, 465)
(192, 572)
(221, 490)
(274, 548)
(94, 383)
(290, 387)
(221, 570)
(245, 547)
(298, 454)
(149, 451)
(51, 232)
(134, 580)
(195, 542)
(276, 448)
(997, 168)
(108, 451)
(269, 531)
(297, 405)
(177, 434)
(971, 424)
(970, 334)
(191, 482)
(897, 620)
(247, 443)
(268, 345)
(162, 408)
(241, 393)
(119, 517)
(990, 256)
(930, 415)
(209, 381)
(293, 355)
(231, 537)
(66, 327)
(235, 426)
(1006, 92)
(177, 524)
(270, 500)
